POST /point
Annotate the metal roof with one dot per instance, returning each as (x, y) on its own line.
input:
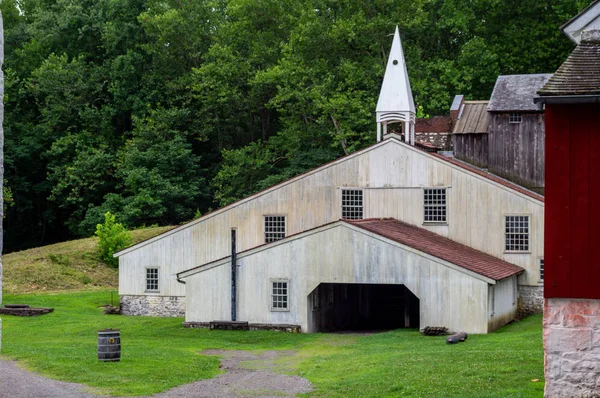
(420, 239)
(440, 247)
(395, 94)
(473, 118)
(516, 93)
(580, 73)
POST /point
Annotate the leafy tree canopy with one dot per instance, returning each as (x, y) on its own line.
(157, 110)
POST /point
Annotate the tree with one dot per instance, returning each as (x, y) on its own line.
(112, 238)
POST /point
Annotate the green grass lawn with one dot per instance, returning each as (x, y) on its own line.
(72, 265)
(157, 354)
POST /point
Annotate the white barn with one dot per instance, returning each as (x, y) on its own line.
(290, 238)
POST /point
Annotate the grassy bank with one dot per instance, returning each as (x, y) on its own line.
(157, 354)
(69, 265)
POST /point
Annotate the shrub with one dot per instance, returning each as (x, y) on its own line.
(113, 237)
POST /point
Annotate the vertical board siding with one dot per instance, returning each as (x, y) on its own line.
(571, 267)
(471, 148)
(392, 176)
(447, 296)
(505, 303)
(516, 150)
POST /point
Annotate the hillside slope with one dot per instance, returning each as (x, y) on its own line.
(71, 265)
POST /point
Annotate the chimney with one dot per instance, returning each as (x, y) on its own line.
(456, 108)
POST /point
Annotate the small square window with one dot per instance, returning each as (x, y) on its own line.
(280, 295)
(541, 269)
(515, 117)
(274, 228)
(434, 200)
(152, 279)
(352, 204)
(516, 233)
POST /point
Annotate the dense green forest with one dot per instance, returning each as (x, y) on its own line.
(159, 110)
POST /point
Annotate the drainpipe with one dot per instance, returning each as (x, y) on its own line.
(233, 275)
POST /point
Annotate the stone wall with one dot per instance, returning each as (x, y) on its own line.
(572, 347)
(439, 140)
(435, 131)
(251, 326)
(153, 305)
(531, 300)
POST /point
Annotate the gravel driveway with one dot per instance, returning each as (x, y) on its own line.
(237, 381)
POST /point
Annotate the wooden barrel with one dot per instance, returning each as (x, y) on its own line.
(109, 345)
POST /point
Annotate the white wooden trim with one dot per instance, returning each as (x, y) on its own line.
(251, 197)
(391, 138)
(337, 224)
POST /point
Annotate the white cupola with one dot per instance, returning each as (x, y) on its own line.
(395, 99)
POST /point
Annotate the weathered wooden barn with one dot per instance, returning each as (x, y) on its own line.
(441, 244)
(516, 130)
(572, 292)
(470, 134)
(348, 275)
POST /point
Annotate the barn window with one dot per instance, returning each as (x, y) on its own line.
(515, 117)
(516, 233)
(280, 295)
(352, 204)
(274, 228)
(152, 279)
(541, 269)
(434, 200)
(316, 300)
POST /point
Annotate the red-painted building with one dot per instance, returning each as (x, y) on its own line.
(572, 215)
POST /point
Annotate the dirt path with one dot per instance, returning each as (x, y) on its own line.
(239, 381)
(19, 383)
(256, 380)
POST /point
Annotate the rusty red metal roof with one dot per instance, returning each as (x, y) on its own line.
(438, 246)
(490, 176)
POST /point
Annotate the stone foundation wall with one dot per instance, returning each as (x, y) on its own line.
(153, 305)
(531, 300)
(572, 348)
(251, 326)
(440, 140)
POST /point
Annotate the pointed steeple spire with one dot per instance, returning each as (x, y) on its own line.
(395, 99)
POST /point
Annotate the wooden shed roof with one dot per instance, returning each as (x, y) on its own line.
(580, 73)
(440, 247)
(516, 93)
(473, 118)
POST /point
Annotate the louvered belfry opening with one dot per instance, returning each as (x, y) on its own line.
(335, 307)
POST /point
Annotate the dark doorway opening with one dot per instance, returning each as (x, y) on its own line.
(359, 307)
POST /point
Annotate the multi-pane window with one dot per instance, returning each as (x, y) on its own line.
(316, 300)
(152, 279)
(541, 269)
(516, 233)
(280, 295)
(434, 204)
(352, 204)
(274, 228)
(515, 117)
